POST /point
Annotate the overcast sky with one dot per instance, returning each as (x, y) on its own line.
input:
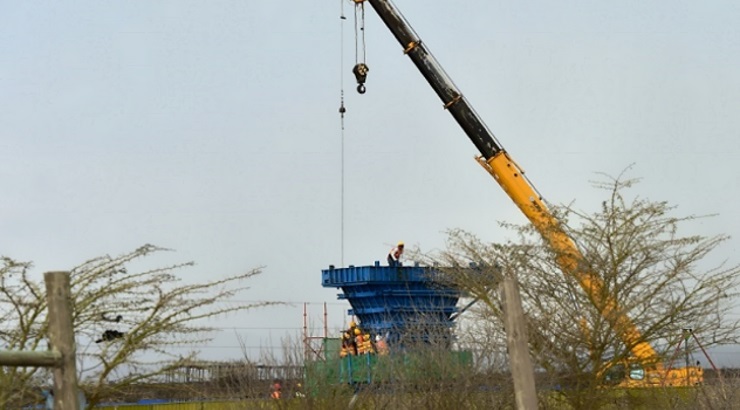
(211, 127)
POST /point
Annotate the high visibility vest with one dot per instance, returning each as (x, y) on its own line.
(367, 344)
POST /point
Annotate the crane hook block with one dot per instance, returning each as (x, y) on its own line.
(360, 71)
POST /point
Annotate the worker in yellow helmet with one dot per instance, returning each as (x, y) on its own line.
(367, 344)
(394, 256)
(348, 338)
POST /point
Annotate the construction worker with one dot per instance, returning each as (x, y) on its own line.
(359, 342)
(394, 256)
(277, 388)
(349, 345)
(346, 347)
(367, 344)
(299, 391)
(380, 345)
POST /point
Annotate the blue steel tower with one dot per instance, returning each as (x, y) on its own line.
(406, 304)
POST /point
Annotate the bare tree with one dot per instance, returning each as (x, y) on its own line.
(129, 324)
(656, 276)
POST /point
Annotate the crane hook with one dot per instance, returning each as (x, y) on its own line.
(360, 71)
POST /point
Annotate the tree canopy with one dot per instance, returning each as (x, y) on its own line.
(654, 273)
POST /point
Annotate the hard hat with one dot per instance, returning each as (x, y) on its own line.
(357, 331)
(400, 243)
(352, 324)
(378, 338)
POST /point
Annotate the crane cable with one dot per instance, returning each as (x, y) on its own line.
(360, 31)
(342, 110)
(360, 70)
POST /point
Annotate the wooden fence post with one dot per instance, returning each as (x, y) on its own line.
(62, 338)
(515, 323)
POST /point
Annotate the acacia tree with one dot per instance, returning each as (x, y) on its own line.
(130, 325)
(656, 276)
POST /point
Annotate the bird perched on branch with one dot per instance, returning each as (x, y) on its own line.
(110, 335)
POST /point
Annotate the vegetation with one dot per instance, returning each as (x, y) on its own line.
(126, 321)
(658, 277)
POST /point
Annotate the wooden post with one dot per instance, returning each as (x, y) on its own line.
(37, 359)
(517, 343)
(62, 338)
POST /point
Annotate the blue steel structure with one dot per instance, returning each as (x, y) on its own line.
(406, 304)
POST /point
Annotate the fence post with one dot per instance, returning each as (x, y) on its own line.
(61, 336)
(517, 342)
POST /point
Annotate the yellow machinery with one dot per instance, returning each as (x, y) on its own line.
(646, 369)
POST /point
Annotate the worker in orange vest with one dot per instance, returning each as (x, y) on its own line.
(358, 341)
(394, 256)
(277, 388)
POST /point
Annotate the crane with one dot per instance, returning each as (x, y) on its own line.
(647, 370)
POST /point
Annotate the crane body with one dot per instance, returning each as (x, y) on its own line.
(646, 369)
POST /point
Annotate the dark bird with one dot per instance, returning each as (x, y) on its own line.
(110, 335)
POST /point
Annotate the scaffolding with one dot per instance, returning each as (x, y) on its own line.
(313, 346)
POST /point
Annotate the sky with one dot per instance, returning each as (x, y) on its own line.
(212, 128)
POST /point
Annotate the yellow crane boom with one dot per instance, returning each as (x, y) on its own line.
(510, 177)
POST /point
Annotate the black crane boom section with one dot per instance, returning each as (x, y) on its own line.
(452, 98)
